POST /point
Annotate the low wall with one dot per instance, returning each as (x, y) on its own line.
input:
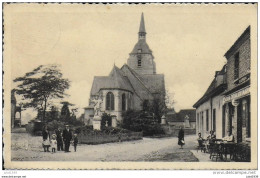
(173, 131)
(103, 138)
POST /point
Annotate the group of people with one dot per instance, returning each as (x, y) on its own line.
(59, 139)
(211, 137)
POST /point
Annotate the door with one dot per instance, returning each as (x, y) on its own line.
(239, 123)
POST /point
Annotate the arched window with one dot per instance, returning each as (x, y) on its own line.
(123, 102)
(110, 101)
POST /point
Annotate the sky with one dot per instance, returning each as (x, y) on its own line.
(188, 42)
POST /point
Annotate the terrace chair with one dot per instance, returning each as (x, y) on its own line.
(215, 152)
(201, 146)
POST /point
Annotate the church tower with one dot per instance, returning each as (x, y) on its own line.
(141, 58)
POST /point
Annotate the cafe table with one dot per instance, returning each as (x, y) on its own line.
(227, 148)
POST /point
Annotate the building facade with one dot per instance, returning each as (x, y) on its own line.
(225, 107)
(236, 101)
(131, 85)
(209, 106)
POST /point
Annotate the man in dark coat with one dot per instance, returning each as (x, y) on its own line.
(59, 139)
(67, 136)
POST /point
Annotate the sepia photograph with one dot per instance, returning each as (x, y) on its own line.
(130, 86)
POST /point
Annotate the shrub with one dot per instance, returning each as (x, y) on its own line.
(105, 118)
(141, 121)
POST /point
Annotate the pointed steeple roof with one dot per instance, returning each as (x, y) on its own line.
(142, 26)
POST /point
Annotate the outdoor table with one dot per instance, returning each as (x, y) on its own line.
(228, 147)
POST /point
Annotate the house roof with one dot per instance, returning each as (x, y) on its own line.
(245, 35)
(211, 89)
(115, 80)
(191, 113)
(181, 115)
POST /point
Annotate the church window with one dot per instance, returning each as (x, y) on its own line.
(139, 61)
(123, 102)
(110, 104)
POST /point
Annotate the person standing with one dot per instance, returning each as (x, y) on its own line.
(75, 142)
(181, 138)
(53, 143)
(59, 139)
(46, 139)
(67, 136)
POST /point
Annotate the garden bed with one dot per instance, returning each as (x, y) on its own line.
(108, 135)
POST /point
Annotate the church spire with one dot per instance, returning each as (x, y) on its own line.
(142, 32)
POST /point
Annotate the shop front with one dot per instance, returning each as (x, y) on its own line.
(236, 114)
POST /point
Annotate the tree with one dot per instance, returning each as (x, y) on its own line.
(141, 121)
(54, 113)
(40, 86)
(65, 112)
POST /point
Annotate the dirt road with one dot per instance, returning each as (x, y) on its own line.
(148, 149)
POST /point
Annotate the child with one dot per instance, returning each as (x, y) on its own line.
(75, 142)
(53, 143)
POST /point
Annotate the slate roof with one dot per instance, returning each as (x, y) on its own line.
(212, 87)
(141, 44)
(180, 116)
(154, 82)
(115, 80)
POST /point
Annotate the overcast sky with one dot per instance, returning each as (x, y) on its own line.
(188, 42)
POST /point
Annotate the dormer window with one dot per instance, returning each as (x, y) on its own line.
(139, 50)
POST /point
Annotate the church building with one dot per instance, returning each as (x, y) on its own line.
(130, 86)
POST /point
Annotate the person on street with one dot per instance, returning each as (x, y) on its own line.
(46, 139)
(75, 142)
(53, 143)
(67, 136)
(59, 139)
(181, 138)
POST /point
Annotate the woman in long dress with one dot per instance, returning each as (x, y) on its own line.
(46, 139)
(181, 138)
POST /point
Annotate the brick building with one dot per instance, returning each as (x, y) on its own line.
(225, 106)
(236, 102)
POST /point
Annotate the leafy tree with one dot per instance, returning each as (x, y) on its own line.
(40, 86)
(65, 112)
(54, 113)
